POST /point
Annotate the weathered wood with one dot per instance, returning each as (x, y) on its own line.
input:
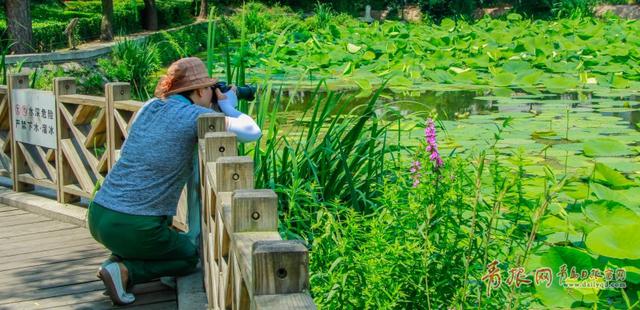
(33, 165)
(63, 87)
(280, 267)
(83, 100)
(45, 159)
(114, 92)
(29, 179)
(210, 122)
(284, 301)
(231, 173)
(76, 165)
(254, 210)
(219, 144)
(128, 105)
(242, 247)
(18, 81)
(83, 114)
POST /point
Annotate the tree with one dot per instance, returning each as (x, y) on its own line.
(19, 25)
(203, 9)
(150, 15)
(106, 27)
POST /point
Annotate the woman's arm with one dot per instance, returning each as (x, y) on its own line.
(237, 122)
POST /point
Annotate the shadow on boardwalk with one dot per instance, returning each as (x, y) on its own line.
(48, 264)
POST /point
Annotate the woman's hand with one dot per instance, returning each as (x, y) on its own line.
(229, 97)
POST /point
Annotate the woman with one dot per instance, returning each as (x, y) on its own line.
(131, 213)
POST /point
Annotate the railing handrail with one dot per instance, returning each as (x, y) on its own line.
(246, 262)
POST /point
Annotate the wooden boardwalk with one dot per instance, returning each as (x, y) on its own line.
(49, 264)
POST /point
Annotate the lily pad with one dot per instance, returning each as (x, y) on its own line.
(617, 241)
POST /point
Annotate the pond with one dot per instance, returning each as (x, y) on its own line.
(548, 129)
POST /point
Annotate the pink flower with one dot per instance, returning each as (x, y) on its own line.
(432, 145)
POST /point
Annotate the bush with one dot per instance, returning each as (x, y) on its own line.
(134, 62)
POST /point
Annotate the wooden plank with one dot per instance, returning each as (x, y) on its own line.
(12, 213)
(36, 245)
(95, 285)
(26, 219)
(98, 128)
(83, 114)
(69, 124)
(254, 210)
(128, 105)
(231, 173)
(33, 280)
(76, 277)
(28, 178)
(62, 87)
(49, 259)
(51, 155)
(124, 126)
(52, 267)
(18, 81)
(242, 245)
(75, 231)
(7, 234)
(77, 191)
(219, 144)
(50, 168)
(55, 252)
(76, 165)
(7, 208)
(83, 100)
(284, 301)
(36, 171)
(4, 109)
(279, 267)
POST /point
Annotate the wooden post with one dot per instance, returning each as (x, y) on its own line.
(210, 122)
(254, 210)
(231, 173)
(114, 92)
(219, 144)
(251, 211)
(19, 163)
(280, 267)
(63, 86)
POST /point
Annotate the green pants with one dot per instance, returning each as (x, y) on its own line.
(149, 248)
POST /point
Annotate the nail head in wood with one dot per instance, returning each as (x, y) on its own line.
(254, 210)
(280, 267)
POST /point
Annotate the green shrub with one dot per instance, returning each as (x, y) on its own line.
(134, 62)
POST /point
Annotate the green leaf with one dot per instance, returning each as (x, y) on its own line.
(556, 296)
(605, 147)
(617, 241)
(612, 177)
(369, 55)
(619, 82)
(606, 212)
(352, 48)
(503, 79)
(560, 84)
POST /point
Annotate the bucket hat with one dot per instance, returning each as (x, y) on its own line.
(184, 75)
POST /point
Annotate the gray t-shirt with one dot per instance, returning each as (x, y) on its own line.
(155, 161)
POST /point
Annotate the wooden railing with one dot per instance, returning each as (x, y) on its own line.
(245, 261)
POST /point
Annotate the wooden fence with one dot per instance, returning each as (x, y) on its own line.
(246, 263)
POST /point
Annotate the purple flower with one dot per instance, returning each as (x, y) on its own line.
(415, 168)
(432, 145)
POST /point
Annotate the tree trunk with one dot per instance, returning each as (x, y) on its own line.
(150, 15)
(106, 27)
(203, 9)
(19, 25)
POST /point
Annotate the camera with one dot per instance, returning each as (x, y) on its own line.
(246, 92)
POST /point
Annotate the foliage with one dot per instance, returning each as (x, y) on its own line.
(134, 62)
(581, 53)
(50, 20)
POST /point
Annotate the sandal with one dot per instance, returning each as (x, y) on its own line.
(110, 276)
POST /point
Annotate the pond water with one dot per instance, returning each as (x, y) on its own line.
(547, 129)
